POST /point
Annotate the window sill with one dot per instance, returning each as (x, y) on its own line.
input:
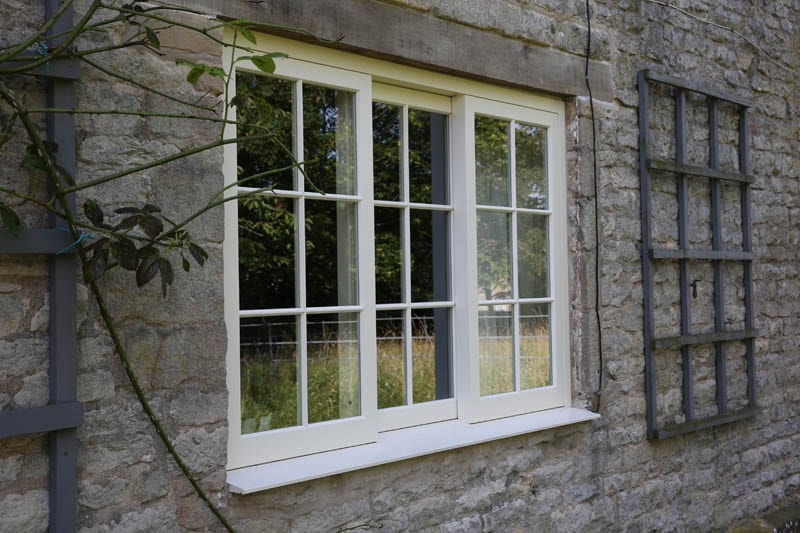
(399, 445)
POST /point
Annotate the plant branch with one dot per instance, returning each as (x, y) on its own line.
(159, 162)
(148, 88)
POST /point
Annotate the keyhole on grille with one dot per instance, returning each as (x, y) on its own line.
(693, 285)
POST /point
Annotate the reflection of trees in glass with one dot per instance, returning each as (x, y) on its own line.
(530, 166)
(264, 105)
(491, 161)
(386, 151)
(267, 227)
(532, 255)
(494, 255)
(266, 253)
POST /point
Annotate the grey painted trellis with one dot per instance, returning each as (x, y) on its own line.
(718, 256)
(63, 414)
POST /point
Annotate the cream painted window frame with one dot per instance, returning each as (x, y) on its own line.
(474, 419)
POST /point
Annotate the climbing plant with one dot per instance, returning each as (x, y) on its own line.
(145, 239)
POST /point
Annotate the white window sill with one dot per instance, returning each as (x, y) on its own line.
(398, 445)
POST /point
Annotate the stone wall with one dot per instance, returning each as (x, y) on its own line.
(600, 476)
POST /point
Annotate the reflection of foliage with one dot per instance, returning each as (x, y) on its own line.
(491, 161)
(531, 173)
(266, 252)
(268, 227)
(532, 255)
(386, 151)
(494, 255)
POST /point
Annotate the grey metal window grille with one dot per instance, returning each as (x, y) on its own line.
(719, 258)
(63, 414)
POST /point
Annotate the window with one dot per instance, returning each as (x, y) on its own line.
(409, 272)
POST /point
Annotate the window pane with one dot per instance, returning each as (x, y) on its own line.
(266, 253)
(427, 157)
(430, 352)
(329, 139)
(386, 151)
(534, 346)
(496, 349)
(391, 359)
(264, 106)
(530, 148)
(491, 161)
(532, 255)
(388, 255)
(494, 255)
(331, 271)
(429, 256)
(269, 373)
(333, 375)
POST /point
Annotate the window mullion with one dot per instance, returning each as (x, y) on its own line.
(300, 254)
(512, 176)
(405, 195)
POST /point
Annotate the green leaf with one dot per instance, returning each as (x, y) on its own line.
(246, 33)
(129, 222)
(198, 253)
(123, 210)
(32, 159)
(146, 271)
(264, 63)
(93, 212)
(194, 75)
(165, 267)
(99, 263)
(152, 38)
(125, 252)
(198, 69)
(150, 208)
(152, 226)
(186, 265)
(146, 251)
(10, 220)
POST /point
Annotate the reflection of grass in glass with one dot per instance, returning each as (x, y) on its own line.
(269, 394)
(497, 369)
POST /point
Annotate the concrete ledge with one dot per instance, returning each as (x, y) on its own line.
(422, 40)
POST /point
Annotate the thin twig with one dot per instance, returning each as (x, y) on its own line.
(726, 28)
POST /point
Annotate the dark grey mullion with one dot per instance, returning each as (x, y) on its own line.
(62, 444)
(719, 286)
(441, 259)
(747, 246)
(683, 244)
(647, 267)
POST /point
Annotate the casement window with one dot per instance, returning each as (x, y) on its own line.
(395, 265)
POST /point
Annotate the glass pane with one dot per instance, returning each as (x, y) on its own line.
(430, 352)
(329, 148)
(534, 346)
(386, 151)
(388, 255)
(333, 373)
(331, 273)
(494, 255)
(491, 161)
(496, 349)
(391, 359)
(429, 256)
(266, 253)
(532, 255)
(427, 157)
(264, 106)
(269, 372)
(531, 149)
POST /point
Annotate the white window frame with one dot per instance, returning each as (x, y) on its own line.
(278, 457)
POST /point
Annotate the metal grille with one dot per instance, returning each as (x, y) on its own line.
(681, 348)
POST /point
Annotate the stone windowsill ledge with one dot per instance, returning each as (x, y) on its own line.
(399, 445)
